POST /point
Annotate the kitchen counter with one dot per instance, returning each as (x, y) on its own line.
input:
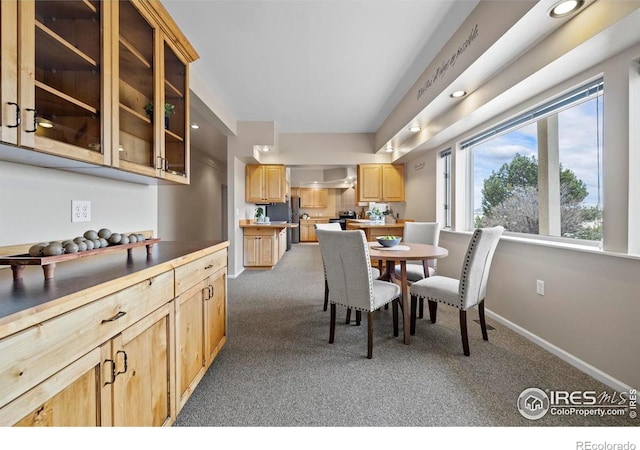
(273, 224)
(33, 299)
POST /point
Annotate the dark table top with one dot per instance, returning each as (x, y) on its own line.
(33, 292)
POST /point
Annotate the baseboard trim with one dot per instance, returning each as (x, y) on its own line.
(235, 275)
(562, 354)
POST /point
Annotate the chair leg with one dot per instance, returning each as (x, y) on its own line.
(369, 335)
(326, 295)
(483, 323)
(348, 320)
(463, 332)
(414, 300)
(433, 310)
(332, 326)
(394, 307)
(358, 317)
(421, 309)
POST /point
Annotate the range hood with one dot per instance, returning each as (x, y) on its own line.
(332, 177)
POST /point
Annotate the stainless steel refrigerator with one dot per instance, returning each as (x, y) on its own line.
(278, 212)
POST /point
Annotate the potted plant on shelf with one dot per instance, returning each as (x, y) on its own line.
(259, 214)
(169, 109)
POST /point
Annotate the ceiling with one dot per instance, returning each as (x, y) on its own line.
(314, 65)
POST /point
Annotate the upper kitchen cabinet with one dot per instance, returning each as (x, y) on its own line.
(153, 68)
(62, 85)
(80, 79)
(265, 183)
(10, 118)
(313, 197)
(381, 183)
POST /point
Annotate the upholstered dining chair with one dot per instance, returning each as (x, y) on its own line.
(467, 291)
(335, 226)
(351, 284)
(420, 233)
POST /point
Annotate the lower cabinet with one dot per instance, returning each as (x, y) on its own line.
(131, 358)
(201, 323)
(260, 247)
(126, 381)
(308, 229)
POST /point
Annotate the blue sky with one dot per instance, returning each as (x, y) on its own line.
(578, 148)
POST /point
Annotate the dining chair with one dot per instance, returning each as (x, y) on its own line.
(420, 233)
(335, 226)
(351, 284)
(467, 291)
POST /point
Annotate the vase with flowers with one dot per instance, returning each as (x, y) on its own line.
(169, 110)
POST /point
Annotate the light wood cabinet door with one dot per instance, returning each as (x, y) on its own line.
(190, 329)
(215, 313)
(260, 251)
(370, 182)
(275, 183)
(380, 182)
(265, 183)
(254, 184)
(313, 198)
(201, 330)
(64, 93)
(143, 387)
(72, 397)
(393, 182)
(10, 117)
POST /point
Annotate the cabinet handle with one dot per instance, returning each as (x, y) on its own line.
(210, 288)
(126, 363)
(17, 115)
(114, 318)
(113, 371)
(159, 166)
(210, 266)
(151, 280)
(35, 120)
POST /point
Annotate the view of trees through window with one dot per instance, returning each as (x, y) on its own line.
(507, 190)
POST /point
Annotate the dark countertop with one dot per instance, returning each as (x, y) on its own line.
(83, 280)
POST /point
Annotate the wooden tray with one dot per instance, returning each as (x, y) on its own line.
(48, 263)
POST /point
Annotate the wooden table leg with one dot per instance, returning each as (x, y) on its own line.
(405, 301)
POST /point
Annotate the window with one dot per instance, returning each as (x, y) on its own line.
(541, 172)
(446, 166)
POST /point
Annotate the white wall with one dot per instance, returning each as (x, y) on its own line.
(35, 204)
(193, 212)
(590, 309)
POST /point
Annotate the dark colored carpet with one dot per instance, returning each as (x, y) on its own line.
(278, 369)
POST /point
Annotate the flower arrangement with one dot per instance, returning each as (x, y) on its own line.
(374, 214)
(259, 213)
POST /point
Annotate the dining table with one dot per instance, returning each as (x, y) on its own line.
(400, 254)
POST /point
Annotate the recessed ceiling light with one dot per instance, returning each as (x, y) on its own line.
(458, 94)
(565, 7)
(414, 128)
(44, 123)
(389, 149)
(195, 126)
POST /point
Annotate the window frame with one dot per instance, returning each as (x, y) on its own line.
(580, 94)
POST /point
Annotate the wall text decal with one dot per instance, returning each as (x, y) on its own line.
(442, 69)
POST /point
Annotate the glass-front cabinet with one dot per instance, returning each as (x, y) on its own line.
(81, 80)
(10, 118)
(136, 139)
(61, 93)
(176, 138)
(151, 140)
